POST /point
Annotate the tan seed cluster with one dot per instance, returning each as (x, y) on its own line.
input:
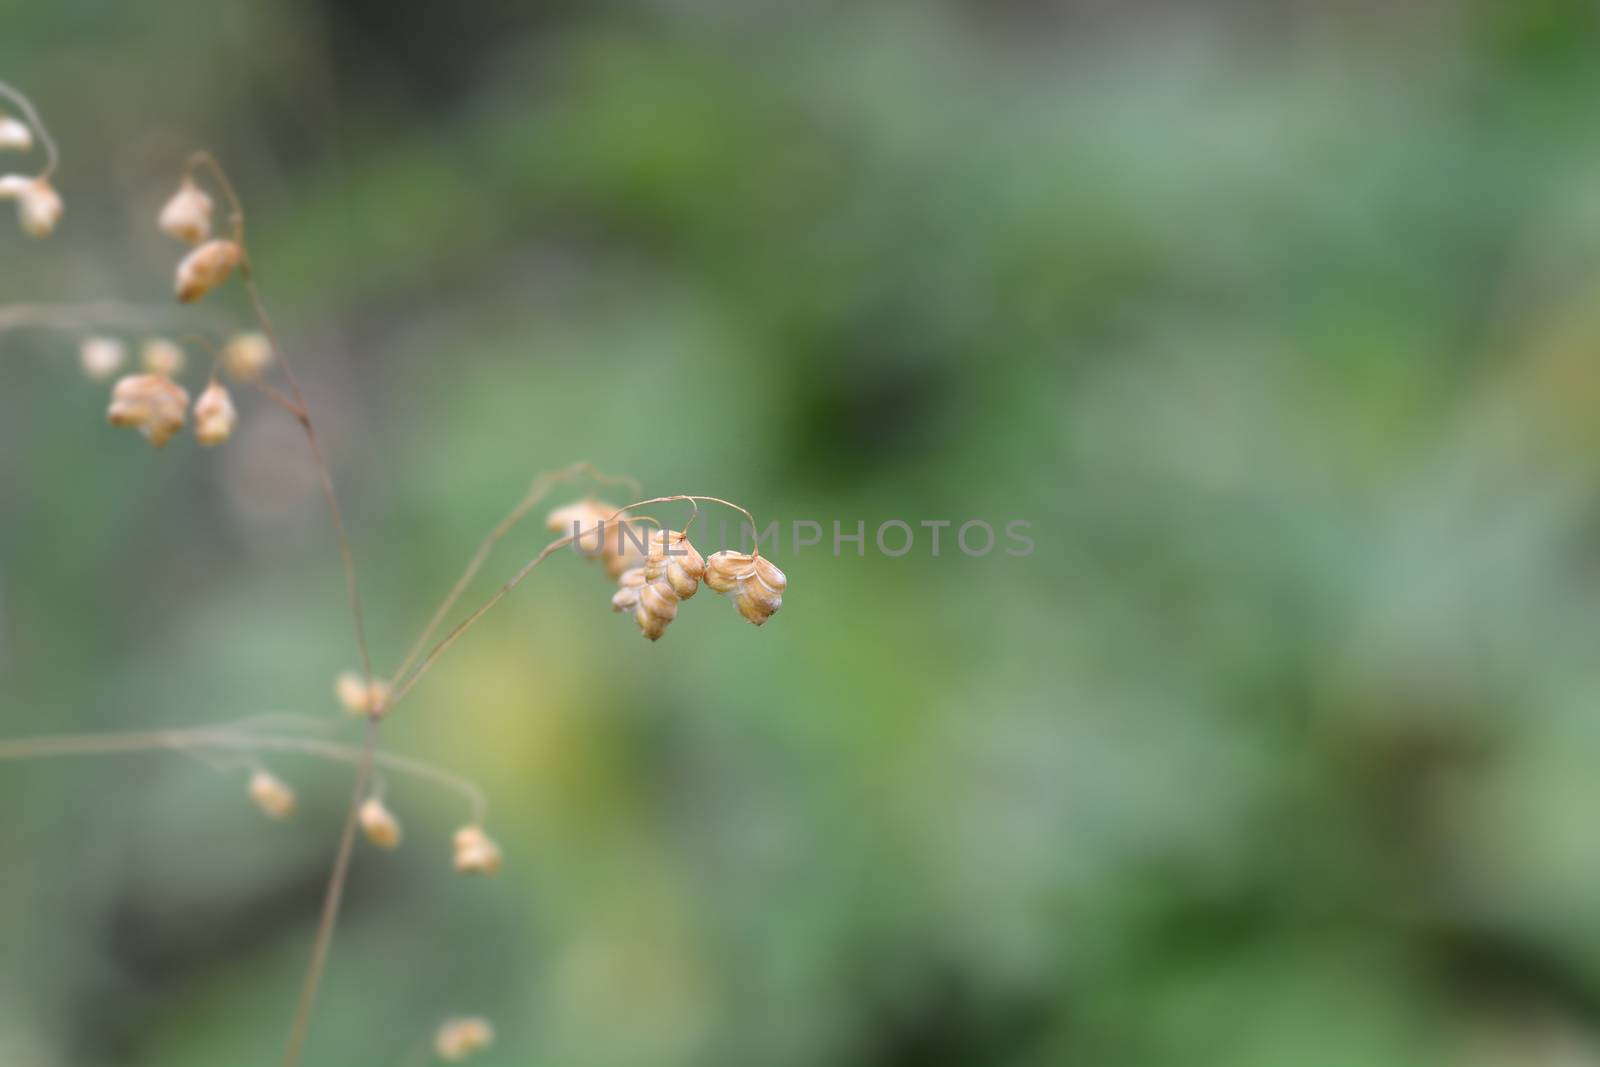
(756, 583)
(671, 573)
(246, 356)
(379, 824)
(39, 206)
(187, 215)
(161, 356)
(475, 851)
(356, 697)
(207, 267)
(615, 542)
(15, 135)
(459, 1038)
(153, 404)
(214, 415)
(272, 795)
(102, 357)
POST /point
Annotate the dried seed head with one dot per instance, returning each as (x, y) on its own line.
(15, 135)
(756, 583)
(615, 542)
(673, 557)
(671, 573)
(356, 697)
(153, 404)
(475, 852)
(102, 356)
(272, 795)
(379, 824)
(38, 204)
(459, 1038)
(187, 215)
(161, 356)
(246, 355)
(214, 415)
(205, 268)
(626, 598)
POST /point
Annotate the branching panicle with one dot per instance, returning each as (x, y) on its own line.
(656, 568)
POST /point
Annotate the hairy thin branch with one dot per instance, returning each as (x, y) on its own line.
(334, 894)
(238, 738)
(51, 157)
(333, 898)
(540, 487)
(97, 314)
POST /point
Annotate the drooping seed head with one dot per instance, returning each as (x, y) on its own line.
(186, 216)
(626, 598)
(617, 543)
(161, 356)
(674, 558)
(475, 851)
(15, 135)
(671, 573)
(153, 404)
(246, 355)
(379, 824)
(459, 1038)
(39, 206)
(101, 357)
(356, 697)
(272, 795)
(214, 415)
(205, 268)
(757, 584)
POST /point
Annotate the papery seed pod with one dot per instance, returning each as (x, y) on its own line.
(618, 543)
(272, 795)
(214, 415)
(102, 357)
(757, 584)
(187, 215)
(153, 404)
(459, 1038)
(161, 356)
(205, 268)
(379, 824)
(475, 851)
(355, 695)
(657, 607)
(246, 355)
(626, 598)
(39, 208)
(15, 135)
(671, 573)
(673, 557)
(724, 568)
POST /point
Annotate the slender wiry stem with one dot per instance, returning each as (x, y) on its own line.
(29, 112)
(692, 498)
(332, 899)
(401, 688)
(334, 894)
(302, 414)
(203, 160)
(95, 314)
(540, 487)
(237, 738)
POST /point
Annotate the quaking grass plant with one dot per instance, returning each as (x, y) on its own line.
(655, 568)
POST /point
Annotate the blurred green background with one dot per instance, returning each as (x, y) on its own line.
(1276, 320)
